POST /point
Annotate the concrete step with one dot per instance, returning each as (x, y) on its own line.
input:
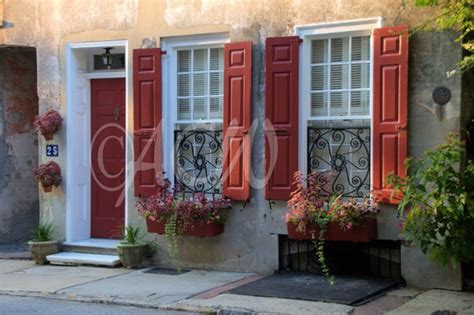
(92, 246)
(72, 258)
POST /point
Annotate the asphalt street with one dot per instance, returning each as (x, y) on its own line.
(29, 305)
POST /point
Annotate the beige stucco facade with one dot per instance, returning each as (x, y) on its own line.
(250, 242)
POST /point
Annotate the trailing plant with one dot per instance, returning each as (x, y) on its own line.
(170, 205)
(48, 174)
(437, 209)
(311, 210)
(43, 232)
(48, 122)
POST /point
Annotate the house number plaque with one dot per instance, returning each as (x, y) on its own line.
(52, 150)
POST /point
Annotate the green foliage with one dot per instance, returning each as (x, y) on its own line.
(43, 232)
(173, 232)
(132, 235)
(322, 220)
(438, 203)
(458, 15)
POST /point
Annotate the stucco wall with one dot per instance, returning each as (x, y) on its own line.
(250, 240)
(19, 207)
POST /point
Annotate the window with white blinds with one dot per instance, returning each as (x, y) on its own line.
(200, 84)
(340, 77)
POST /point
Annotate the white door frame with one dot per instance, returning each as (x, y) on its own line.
(78, 124)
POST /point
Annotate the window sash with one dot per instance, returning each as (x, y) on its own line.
(208, 98)
(345, 91)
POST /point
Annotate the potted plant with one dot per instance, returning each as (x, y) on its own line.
(48, 123)
(131, 249)
(43, 244)
(48, 175)
(169, 212)
(316, 216)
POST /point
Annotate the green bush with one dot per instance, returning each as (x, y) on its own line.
(437, 209)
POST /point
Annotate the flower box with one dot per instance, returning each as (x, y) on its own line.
(155, 226)
(199, 229)
(202, 229)
(364, 232)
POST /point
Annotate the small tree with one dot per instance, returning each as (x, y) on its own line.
(437, 209)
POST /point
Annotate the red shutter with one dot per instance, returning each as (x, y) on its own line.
(281, 111)
(237, 116)
(147, 119)
(390, 108)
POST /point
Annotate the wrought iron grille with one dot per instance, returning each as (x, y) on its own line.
(198, 160)
(341, 158)
(379, 258)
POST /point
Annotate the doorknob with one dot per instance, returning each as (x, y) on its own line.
(116, 113)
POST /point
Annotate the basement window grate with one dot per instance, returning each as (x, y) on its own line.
(378, 259)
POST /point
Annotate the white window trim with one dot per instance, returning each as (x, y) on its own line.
(318, 31)
(169, 87)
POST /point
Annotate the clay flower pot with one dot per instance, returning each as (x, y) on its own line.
(131, 255)
(47, 189)
(48, 136)
(364, 232)
(39, 250)
(199, 229)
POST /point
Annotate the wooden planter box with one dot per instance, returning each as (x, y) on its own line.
(363, 232)
(199, 229)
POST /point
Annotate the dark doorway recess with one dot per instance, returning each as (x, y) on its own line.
(19, 198)
(377, 259)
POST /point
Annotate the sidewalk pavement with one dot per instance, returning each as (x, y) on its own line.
(199, 291)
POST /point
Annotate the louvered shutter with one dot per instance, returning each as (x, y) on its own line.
(237, 119)
(390, 108)
(281, 112)
(147, 120)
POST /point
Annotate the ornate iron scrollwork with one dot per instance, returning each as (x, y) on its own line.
(198, 160)
(341, 157)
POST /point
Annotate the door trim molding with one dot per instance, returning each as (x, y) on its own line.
(78, 171)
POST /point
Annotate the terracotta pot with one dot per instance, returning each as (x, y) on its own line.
(131, 255)
(48, 136)
(200, 229)
(47, 189)
(39, 250)
(364, 232)
(155, 227)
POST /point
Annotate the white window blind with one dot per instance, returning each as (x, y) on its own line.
(200, 84)
(340, 77)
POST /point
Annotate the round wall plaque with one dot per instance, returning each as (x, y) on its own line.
(441, 95)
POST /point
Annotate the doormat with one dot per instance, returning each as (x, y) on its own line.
(166, 271)
(312, 287)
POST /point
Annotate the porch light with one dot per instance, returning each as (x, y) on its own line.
(107, 58)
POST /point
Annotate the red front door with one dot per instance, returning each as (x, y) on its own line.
(107, 157)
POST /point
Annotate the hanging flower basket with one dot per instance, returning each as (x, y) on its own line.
(48, 175)
(363, 232)
(48, 123)
(199, 229)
